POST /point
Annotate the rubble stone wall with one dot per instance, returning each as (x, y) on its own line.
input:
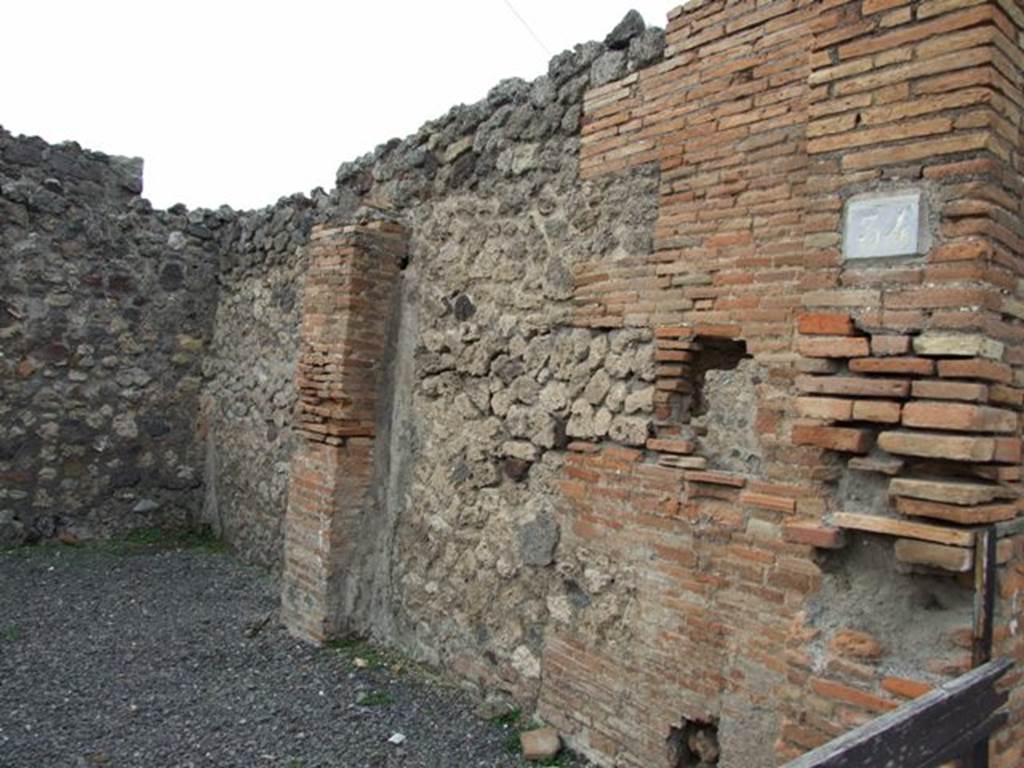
(106, 311)
(249, 377)
(490, 192)
(490, 380)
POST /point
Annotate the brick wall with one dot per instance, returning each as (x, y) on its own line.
(764, 120)
(347, 306)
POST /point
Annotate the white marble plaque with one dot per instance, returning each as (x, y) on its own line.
(879, 225)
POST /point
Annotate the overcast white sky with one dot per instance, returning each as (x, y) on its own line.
(241, 102)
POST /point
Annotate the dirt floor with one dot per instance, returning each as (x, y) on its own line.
(152, 655)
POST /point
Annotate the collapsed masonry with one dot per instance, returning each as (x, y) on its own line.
(676, 394)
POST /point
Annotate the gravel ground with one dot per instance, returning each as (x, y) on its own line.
(153, 660)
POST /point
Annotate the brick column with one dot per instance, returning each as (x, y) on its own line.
(348, 302)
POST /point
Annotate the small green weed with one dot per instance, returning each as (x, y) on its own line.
(146, 540)
(11, 634)
(512, 745)
(508, 720)
(22, 551)
(515, 724)
(138, 542)
(359, 653)
(352, 648)
(561, 760)
(375, 699)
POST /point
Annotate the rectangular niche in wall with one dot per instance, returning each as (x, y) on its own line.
(693, 744)
(723, 407)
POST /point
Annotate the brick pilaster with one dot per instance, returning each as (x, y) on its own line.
(347, 306)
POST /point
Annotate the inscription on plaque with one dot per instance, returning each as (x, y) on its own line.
(883, 225)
